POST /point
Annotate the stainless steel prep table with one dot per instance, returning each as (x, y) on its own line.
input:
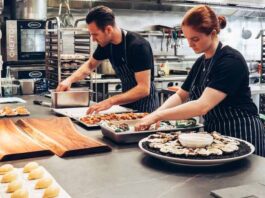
(127, 172)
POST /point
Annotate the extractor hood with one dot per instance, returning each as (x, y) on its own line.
(241, 8)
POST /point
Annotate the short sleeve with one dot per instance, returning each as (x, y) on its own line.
(191, 76)
(142, 58)
(101, 53)
(228, 75)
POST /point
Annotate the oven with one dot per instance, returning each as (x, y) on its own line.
(24, 41)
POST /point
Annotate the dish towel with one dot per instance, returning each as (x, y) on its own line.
(254, 190)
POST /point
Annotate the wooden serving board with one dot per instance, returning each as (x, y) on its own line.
(14, 144)
(60, 136)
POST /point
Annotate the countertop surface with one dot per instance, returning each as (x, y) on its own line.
(127, 172)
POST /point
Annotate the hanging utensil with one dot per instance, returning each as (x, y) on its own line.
(60, 15)
(68, 17)
(246, 34)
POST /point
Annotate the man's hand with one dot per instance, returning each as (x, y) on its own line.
(95, 108)
(64, 86)
(146, 122)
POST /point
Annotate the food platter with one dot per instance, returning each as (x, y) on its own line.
(132, 136)
(8, 111)
(200, 161)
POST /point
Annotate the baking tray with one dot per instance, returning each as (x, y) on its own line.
(135, 136)
(77, 113)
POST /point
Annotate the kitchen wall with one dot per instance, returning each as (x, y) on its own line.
(231, 35)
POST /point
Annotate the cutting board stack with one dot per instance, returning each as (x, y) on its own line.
(33, 137)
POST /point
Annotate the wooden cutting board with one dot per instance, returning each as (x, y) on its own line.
(15, 144)
(60, 136)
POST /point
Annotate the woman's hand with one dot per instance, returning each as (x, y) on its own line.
(146, 122)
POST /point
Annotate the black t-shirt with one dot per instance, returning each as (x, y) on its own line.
(138, 50)
(230, 75)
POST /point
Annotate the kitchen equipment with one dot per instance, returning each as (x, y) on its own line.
(77, 113)
(60, 136)
(27, 86)
(68, 17)
(135, 136)
(246, 34)
(31, 9)
(40, 102)
(15, 144)
(71, 98)
(24, 41)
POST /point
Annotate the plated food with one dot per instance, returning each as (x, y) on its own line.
(31, 181)
(97, 118)
(18, 111)
(195, 146)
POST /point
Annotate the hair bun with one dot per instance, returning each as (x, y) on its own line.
(222, 21)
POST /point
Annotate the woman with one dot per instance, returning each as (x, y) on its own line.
(217, 86)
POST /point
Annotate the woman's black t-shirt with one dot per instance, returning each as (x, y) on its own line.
(230, 75)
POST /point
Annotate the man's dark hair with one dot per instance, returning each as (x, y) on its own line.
(102, 16)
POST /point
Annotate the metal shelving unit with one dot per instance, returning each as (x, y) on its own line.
(60, 65)
(262, 75)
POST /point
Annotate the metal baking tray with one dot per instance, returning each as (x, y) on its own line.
(135, 136)
(71, 98)
(78, 113)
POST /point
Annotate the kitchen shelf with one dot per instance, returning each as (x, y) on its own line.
(60, 65)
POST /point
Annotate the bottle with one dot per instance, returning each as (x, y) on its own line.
(8, 83)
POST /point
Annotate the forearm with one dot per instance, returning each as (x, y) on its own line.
(132, 95)
(184, 111)
(172, 101)
(81, 73)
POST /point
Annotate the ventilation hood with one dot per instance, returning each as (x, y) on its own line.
(240, 8)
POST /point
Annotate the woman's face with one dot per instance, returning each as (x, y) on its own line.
(199, 42)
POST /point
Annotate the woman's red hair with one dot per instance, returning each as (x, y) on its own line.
(203, 19)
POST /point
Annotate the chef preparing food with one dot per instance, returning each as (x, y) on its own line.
(217, 86)
(131, 57)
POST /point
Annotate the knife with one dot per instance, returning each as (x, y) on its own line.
(42, 103)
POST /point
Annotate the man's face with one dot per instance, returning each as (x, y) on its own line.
(103, 38)
(198, 41)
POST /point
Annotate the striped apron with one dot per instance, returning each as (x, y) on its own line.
(127, 76)
(228, 120)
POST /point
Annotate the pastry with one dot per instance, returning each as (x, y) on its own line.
(52, 191)
(9, 177)
(30, 166)
(36, 173)
(22, 110)
(20, 193)
(43, 183)
(6, 168)
(13, 186)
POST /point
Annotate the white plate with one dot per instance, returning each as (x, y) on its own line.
(196, 162)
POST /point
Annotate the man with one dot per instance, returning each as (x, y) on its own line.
(131, 57)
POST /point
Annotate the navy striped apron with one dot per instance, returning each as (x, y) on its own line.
(228, 120)
(128, 81)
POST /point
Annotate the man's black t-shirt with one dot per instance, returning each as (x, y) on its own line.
(138, 51)
(230, 75)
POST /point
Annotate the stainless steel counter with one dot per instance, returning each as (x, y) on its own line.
(127, 172)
